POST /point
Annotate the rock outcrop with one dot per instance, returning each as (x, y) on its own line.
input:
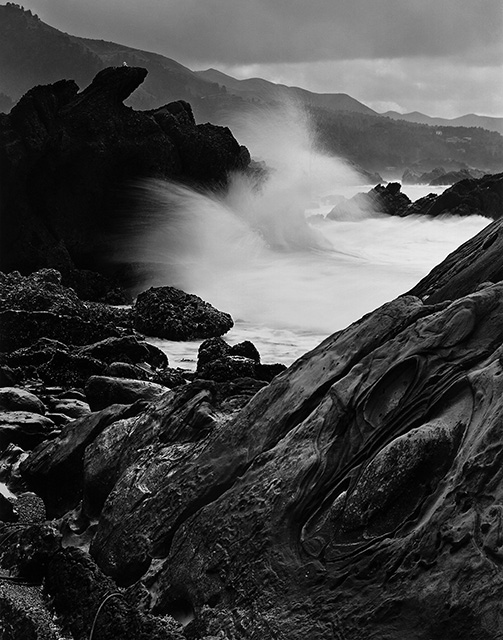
(468, 197)
(357, 493)
(65, 156)
(167, 312)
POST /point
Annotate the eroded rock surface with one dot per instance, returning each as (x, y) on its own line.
(358, 493)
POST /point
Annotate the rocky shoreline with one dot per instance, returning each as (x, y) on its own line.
(467, 197)
(356, 494)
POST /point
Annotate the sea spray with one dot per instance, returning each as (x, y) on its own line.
(254, 253)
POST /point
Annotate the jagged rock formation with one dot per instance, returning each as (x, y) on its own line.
(468, 197)
(66, 154)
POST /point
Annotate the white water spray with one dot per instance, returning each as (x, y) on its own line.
(253, 253)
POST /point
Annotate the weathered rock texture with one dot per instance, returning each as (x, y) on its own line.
(358, 494)
(469, 197)
(65, 155)
(167, 312)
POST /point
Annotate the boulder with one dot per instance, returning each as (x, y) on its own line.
(125, 370)
(228, 368)
(126, 349)
(39, 307)
(388, 200)
(16, 399)
(103, 391)
(219, 361)
(55, 468)
(71, 407)
(167, 312)
(24, 428)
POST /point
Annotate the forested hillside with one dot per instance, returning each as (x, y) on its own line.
(379, 143)
(33, 53)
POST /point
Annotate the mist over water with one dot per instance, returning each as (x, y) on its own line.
(288, 280)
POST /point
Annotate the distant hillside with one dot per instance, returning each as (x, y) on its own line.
(33, 53)
(389, 146)
(264, 91)
(470, 120)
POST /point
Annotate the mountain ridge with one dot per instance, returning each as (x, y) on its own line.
(490, 123)
(261, 88)
(33, 53)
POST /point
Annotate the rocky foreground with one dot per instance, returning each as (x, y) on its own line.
(356, 494)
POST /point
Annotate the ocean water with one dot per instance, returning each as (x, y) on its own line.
(287, 278)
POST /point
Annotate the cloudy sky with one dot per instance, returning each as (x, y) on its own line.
(441, 57)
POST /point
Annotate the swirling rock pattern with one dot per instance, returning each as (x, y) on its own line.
(358, 495)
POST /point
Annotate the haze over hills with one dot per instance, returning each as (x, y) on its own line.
(32, 52)
(263, 90)
(469, 120)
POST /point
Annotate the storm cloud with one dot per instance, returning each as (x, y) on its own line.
(294, 34)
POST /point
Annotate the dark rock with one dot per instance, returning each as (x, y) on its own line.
(24, 614)
(59, 419)
(65, 156)
(24, 429)
(40, 291)
(27, 553)
(212, 349)
(22, 328)
(71, 407)
(216, 349)
(126, 370)
(103, 391)
(10, 459)
(246, 349)
(474, 196)
(37, 353)
(69, 370)
(482, 197)
(228, 368)
(126, 349)
(54, 469)
(172, 377)
(187, 414)
(85, 599)
(172, 314)
(388, 200)
(369, 470)
(15, 399)
(8, 377)
(38, 307)
(6, 510)
(477, 261)
(267, 372)
(71, 394)
(30, 508)
(102, 465)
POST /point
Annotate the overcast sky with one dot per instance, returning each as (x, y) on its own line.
(441, 57)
